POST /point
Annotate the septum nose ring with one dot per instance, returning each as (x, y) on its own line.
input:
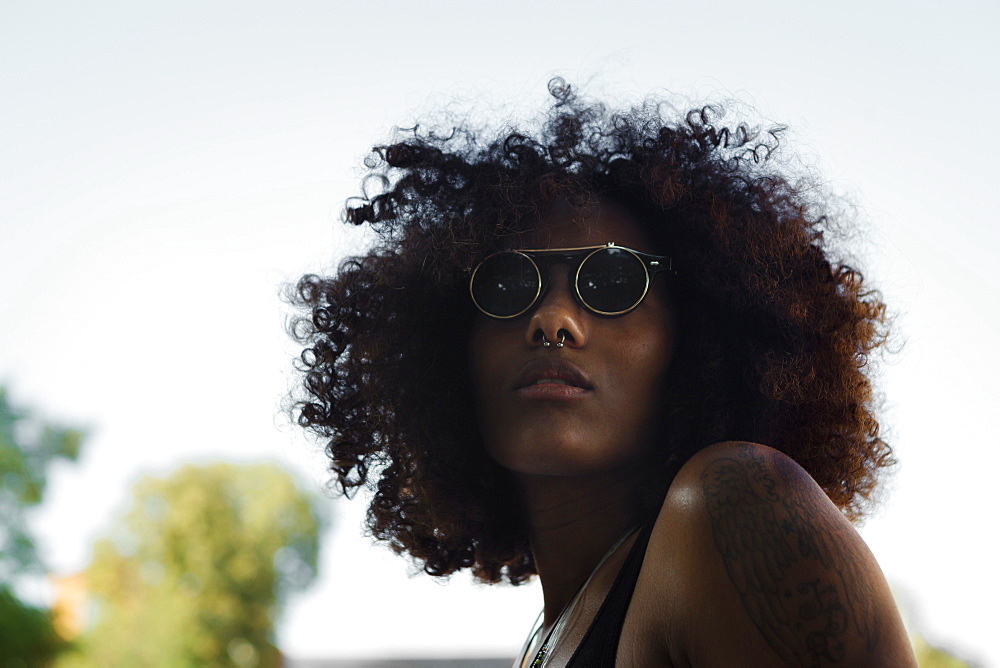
(559, 344)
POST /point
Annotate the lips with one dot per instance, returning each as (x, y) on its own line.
(554, 373)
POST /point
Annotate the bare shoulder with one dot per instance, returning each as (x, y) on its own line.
(762, 569)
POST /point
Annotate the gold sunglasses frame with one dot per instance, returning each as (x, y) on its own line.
(646, 260)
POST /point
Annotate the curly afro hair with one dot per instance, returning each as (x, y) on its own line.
(775, 334)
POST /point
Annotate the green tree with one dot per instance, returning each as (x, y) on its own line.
(27, 447)
(929, 656)
(196, 571)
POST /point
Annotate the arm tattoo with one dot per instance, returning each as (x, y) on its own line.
(793, 568)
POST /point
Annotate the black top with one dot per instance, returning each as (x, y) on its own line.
(600, 644)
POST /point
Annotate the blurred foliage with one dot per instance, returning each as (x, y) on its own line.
(929, 656)
(196, 571)
(27, 637)
(27, 448)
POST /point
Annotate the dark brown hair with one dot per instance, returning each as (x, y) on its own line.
(775, 334)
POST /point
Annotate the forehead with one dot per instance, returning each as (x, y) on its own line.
(603, 221)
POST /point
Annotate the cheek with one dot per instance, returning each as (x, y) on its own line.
(639, 384)
(487, 367)
(487, 355)
(645, 355)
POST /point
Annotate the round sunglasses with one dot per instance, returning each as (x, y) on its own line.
(608, 280)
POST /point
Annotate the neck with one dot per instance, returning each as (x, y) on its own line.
(573, 521)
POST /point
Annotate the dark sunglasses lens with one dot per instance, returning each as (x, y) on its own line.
(505, 284)
(612, 280)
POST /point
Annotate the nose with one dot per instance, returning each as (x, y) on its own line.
(558, 317)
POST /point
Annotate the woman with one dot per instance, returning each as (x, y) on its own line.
(564, 357)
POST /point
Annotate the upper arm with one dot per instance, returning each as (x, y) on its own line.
(764, 570)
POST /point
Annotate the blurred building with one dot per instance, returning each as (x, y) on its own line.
(69, 609)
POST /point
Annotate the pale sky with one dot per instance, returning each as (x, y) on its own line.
(166, 167)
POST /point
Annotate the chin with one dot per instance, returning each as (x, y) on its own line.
(561, 459)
